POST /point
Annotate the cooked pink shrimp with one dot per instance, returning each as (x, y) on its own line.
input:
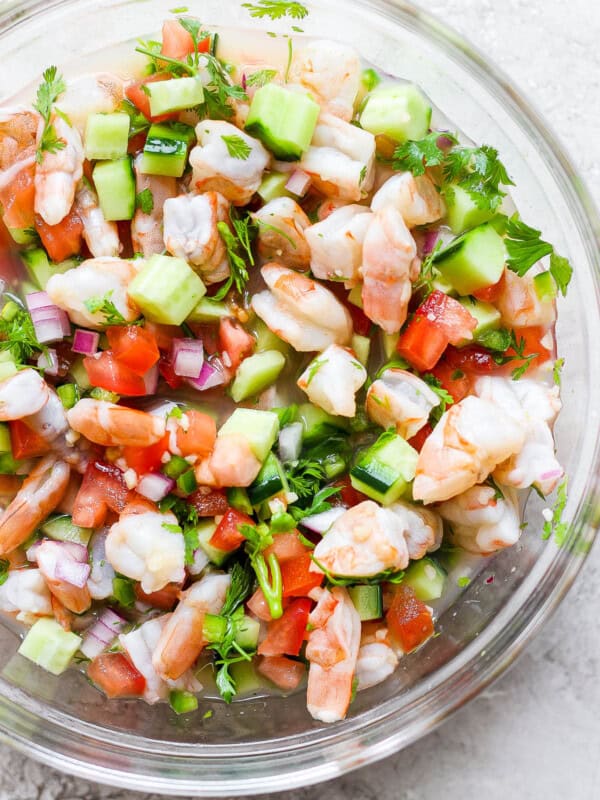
(520, 305)
(469, 441)
(101, 237)
(332, 379)
(377, 658)
(25, 593)
(388, 267)
(482, 522)
(39, 495)
(22, 394)
(301, 311)
(147, 228)
(331, 72)
(416, 198)
(402, 400)
(9, 486)
(182, 640)
(111, 425)
(332, 651)
(282, 224)
(50, 423)
(423, 529)
(336, 243)
(231, 463)
(58, 174)
(91, 93)
(74, 598)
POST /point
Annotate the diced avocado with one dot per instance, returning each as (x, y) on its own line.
(247, 630)
(79, 374)
(473, 261)
(272, 186)
(259, 427)
(166, 149)
(209, 310)
(269, 481)
(5, 445)
(256, 373)
(545, 287)
(362, 347)
(383, 471)
(205, 530)
(355, 296)
(62, 529)
(49, 646)
(367, 600)
(175, 95)
(283, 120)
(318, 424)
(397, 110)
(462, 212)
(40, 269)
(426, 577)
(488, 317)
(166, 290)
(106, 136)
(115, 184)
(266, 339)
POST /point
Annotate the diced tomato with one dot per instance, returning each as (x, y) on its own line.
(107, 372)
(409, 620)
(136, 504)
(491, 293)
(532, 344)
(422, 343)
(135, 93)
(165, 598)
(63, 240)
(163, 334)
(146, 459)
(449, 315)
(178, 43)
(165, 367)
(472, 359)
(260, 608)
(286, 546)
(116, 676)
(133, 346)
(209, 502)
(25, 442)
(102, 488)
(235, 341)
(283, 672)
(453, 380)
(227, 536)
(348, 495)
(418, 440)
(209, 335)
(286, 634)
(17, 199)
(297, 577)
(199, 436)
(360, 321)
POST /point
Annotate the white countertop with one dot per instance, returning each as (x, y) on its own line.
(536, 733)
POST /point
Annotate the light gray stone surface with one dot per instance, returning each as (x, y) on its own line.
(536, 732)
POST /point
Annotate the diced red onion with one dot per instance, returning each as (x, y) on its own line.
(102, 632)
(48, 361)
(155, 486)
(431, 238)
(283, 166)
(290, 442)
(298, 183)
(199, 563)
(85, 342)
(38, 300)
(553, 473)
(73, 572)
(187, 357)
(31, 552)
(211, 375)
(51, 324)
(244, 82)
(64, 561)
(320, 523)
(151, 380)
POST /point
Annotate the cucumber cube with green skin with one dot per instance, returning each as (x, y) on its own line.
(545, 287)
(397, 110)
(362, 347)
(384, 470)
(462, 212)
(426, 577)
(266, 339)
(273, 186)
(473, 261)
(49, 646)
(175, 95)
(166, 149)
(318, 424)
(237, 497)
(367, 600)
(209, 310)
(106, 136)
(283, 120)
(442, 285)
(166, 290)
(79, 374)
(269, 481)
(256, 373)
(245, 677)
(23, 236)
(115, 185)
(5, 445)
(205, 530)
(247, 630)
(62, 529)
(7, 369)
(260, 428)
(487, 316)
(40, 269)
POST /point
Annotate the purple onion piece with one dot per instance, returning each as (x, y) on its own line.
(85, 342)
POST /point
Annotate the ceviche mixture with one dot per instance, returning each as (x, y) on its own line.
(275, 348)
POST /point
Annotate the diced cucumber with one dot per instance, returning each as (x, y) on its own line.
(462, 212)
(62, 529)
(266, 339)
(488, 317)
(362, 347)
(260, 428)
(273, 186)
(49, 646)
(175, 467)
(182, 702)
(187, 483)
(166, 290)
(214, 628)
(473, 261)
(69, 394)
(426, 577)
(247, 630)
(115, 184)
(166, 149)
(283, 120)
(209, 310)
(245, 677)
(8, 368)
(442, 285)
(237, 497)
(318, 424)
(205, 530)
(269, 481)
(545, 287)
(79, 374)
(397, 110)
(106, 136)
(256, 373)
(10, 310)
(384, 470)
(23, 236)
(355, 296)
(40, 269)
(5, 445)
(175, 95)
(367, 600)
(390, 343)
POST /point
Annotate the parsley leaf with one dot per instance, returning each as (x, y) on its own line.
(239, 588)
(194, 28)
(480, 172)
(388, 576)
(556, 525)
(112, 315)
(47, 94)
(561, 271)
(4, 569)
(416, 154)
(305, 477)
(498, 340)
(557, 369)
(276, 9)
(239, 252)
(261, 78)
(446, 398)
(524, 246)
(237, 147)
(18, 336)
(144, 200)
(319, 504)
(191, 540)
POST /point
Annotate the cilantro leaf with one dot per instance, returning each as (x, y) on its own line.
(557, 369)
(191, 541)
(18, 336)
(239, 252)
(4, 569)
(112, 315)
(319, 503)
(239, 589)
(562, 271)
(417, 154)
(388, 576)
(144, 200)
(276, 9)
(446, 398)
(498, 340)
(261, 78)
(237, 147)
(305, 477)
(524, 246)
(555, 525)
(480, 172)
(48, 92)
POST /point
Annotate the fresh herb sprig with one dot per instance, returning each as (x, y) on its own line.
(416, 155)
(525, 247)
(276, 9)
(267, 570)
(261, 78)
(237, 147)
(238, 244)
(388, 576)
(51, 88)
(555, 525)
(18, 336)
(105, 306)
(445, 397)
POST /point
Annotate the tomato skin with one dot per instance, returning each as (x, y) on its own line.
(146, 459)
(532, 338)
(491, 293)
(360, 321)
(63, 240)
(422, 343)
(163, 334)
(454, 381)
(200, 436)
(107, 372)
(408, 619)
(283, 672)
(116, 676)
(212, 503)
(348, 495)
(418, 440)
(133, 346)
(472, 359)
(166, 598)
(102, 488)
(298, 579)
(258, 605)
(227, 536)
(17, 199)
(451, 317)
(178, 43)
(141, 101)
(26, 443)
(235, 341)
(286, 634)
(165, 367)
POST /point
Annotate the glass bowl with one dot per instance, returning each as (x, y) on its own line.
(270, 743)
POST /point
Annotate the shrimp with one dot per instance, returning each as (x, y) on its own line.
(336, 244)
(332, 651)
(181, 640)
(147, 228)
(340, 159)
(22, 394)
(482, 522)
(331, 72)
(363, 542)
(332, 380)
(52, 557)
(388, 267)
(215, 168)
(377, 658)
(469, 441)
(232, 463)
(100, 582)
(57, 175)
(9, 486)
(402, 400)
(101, 237)
(191, 233)
(141, 547)
(520, 305)
(416, 198)
(282, 225)
(91, 93)
(25, 592)
(301, 311)
(423, 528)
(93, 279)
(39, 495)
(18, 135)
(112, 425)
